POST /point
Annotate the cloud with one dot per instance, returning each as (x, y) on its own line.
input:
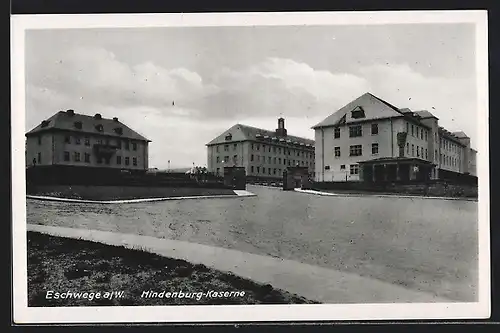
(453, 101)
(179, 110)
(97, 75)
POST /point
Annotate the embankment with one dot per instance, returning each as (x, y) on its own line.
(123, 192)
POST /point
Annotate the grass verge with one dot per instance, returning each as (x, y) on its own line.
(121, 276)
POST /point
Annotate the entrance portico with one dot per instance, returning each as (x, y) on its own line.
(395, 169)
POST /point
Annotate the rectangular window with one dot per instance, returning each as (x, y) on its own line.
(127, 147)
(134, 145)
(67, 138)
(268, 171)
(87, 141)
(218, 171)
(87, 157)
(118, 160)
(407, 127)
(354, 169)
(269, 149)
(426, 153)
(76, 156)
(279, 160)
(217, 159)
(226, 159)
(355, 131)
(134, 161)
(374, 148)
(336, 133)
(435, 154)
(269, 160)
(39, 140)
(235, 158)
(418, 151)
(127, 160)
(412, 150)
(274, 171)
(374, 129)
(274, 160)
(337, 151)
(407, 148)
(39, 158)
(355, 150)
(66, 156)
(258, 147)
(258, 158)
(235, 146)
(251, 157)
(77, 140)
(217, 148)
(226, 147)
(425, 135)
(258, 169)
(251, 169)
(342, 167)
(412, 128)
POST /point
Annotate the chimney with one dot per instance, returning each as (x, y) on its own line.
(115, 118)
(97, 116)
(70, 112)
(281, 130)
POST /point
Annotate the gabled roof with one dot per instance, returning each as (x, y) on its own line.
(460, 134)
(241, 132)
(425, 114)
(64, 120)
(374, 107)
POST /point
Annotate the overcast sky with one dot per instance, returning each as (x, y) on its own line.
(181, 87)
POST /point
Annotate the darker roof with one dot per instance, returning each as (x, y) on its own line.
(368, 99)
(424, 114)
(66, 120)
(252, 132)
(241, 132)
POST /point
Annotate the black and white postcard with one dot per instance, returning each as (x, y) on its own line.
(250, 167)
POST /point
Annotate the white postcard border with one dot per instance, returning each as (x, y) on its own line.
(240, 313)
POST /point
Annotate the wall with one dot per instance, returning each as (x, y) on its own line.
(328, 167)
(60, 146)
(261, 152)
(45, 149)
(452, 155)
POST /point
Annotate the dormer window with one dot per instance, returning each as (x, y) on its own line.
(119, 130)
(45, 123)
(229, 137)
(78, 124)
(342, 120)
(99, 127)
(358, 113)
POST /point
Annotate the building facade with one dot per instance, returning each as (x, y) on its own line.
(264, 154)
(370, 139)
(78, 140)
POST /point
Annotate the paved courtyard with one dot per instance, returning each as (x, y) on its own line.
(419, 244)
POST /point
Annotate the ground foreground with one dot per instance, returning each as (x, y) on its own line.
(68, 272)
